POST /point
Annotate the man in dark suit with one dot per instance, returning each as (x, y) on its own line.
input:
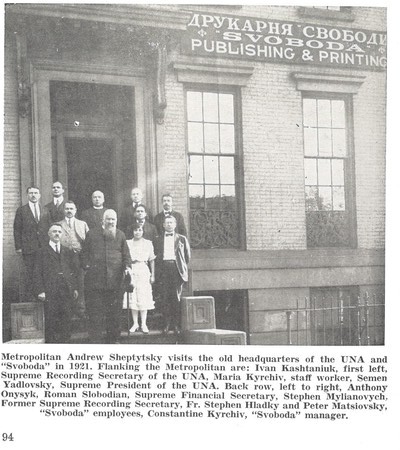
(56, 283)
(54, 211)
(166, 212)
(94, 215)
(128, 213)
(106, 258)
(172, 258)
(28, 234)
(149, 230)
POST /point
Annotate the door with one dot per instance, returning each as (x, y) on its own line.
(90, 167)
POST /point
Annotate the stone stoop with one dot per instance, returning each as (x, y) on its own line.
(199, 324)
(155, 337)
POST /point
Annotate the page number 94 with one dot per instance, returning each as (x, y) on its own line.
(7, 437)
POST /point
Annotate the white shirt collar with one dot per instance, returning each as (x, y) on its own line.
(98, 207)
(53, 245)
(58, 199)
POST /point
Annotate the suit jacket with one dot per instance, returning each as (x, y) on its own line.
(48, 266)
(27, 233)
(105, 260)
(80, 228)
(93, 217)
(180, 223)
(126, 217)
(182, 254)
(54, 213)
(149, 231)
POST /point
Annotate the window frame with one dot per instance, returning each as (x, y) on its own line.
(346, 13)
(238, 156)
(348, 163)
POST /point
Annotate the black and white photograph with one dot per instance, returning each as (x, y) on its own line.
(195, 202)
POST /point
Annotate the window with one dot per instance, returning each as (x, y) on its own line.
(327, 173)
(212, 152)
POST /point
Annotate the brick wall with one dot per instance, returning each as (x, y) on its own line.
(273, 160)
(175, 159)
(273, 144)
(11, 174)
(369, 143)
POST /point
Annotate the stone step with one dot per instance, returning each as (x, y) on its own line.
(154, 321)
(139, 338)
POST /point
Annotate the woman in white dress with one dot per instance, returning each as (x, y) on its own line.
(141, 299)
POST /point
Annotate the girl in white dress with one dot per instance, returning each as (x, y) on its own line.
(141, 299)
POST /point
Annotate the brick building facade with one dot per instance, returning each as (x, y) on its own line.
(283, 189)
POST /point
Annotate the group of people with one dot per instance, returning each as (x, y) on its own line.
(90, 263)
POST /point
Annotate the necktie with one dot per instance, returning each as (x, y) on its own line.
(69, 223)
(58, 249)
(169, 234)
(57, 203)
(36, 213)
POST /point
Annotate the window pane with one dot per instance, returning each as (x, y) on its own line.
(310, 171)
(227, 168)
(324, 113)
(196, 194)
(227, 138)
(310, 142)
(211, 138)
(195, 137)
(226, 108)
(338, 199)
(196, 169)
(325, 198)
(212, 197)
(194, 106)
(337, 172)
(228, 191)
(338, 114)
(310, 112)
(228, 198)
(210, 107)
(324, 142)
(211, 169)
(339, 142)
(324, 172)
(311, 198)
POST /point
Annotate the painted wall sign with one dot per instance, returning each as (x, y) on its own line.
(287, 42)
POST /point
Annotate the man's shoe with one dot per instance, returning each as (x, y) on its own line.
(166, 329)
(176, 330)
